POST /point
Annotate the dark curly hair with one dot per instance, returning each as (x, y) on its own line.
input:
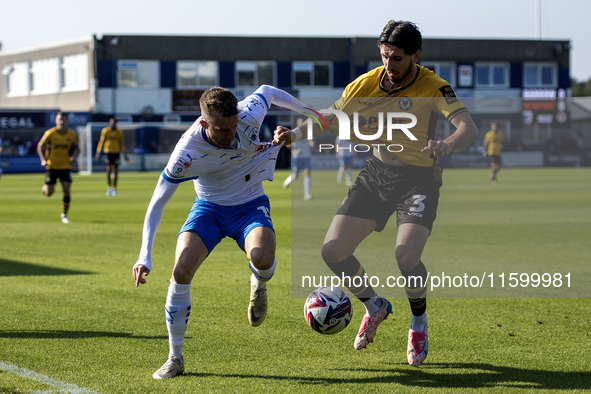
(402, 34)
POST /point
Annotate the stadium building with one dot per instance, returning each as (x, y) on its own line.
(152, 85)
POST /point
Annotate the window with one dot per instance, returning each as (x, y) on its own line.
(17, 79)
(540, 75)
(75, 72)
(445, 70)
(195, 74)
(254, 74)
(45, 76)
(311, 74)
(493, 75)
(138, 73)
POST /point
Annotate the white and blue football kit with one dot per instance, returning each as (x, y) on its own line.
(230, 202)
(226, 180)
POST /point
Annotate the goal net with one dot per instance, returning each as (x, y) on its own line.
(139, 139)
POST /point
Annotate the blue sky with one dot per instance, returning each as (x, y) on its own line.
(30, 23)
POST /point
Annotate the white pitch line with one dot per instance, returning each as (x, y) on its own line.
(57, 384)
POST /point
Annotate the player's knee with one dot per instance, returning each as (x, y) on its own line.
(406, 258)
(181, 275)
(262, 259)
(183, 272)
(333, 253)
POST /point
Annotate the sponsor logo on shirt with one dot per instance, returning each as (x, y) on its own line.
(449, 94)
(262, 148)
(180, 167)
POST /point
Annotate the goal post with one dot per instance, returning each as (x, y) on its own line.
(86, 153)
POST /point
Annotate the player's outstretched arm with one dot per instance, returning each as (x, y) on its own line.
(162, 194)
(315, 119)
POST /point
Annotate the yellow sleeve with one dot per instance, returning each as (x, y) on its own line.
(43, 140)
(449, 105)
(99, 147)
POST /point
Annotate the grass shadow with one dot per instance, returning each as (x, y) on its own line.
(468, 376)
(19, 268)
(71, 334)
(483, 375)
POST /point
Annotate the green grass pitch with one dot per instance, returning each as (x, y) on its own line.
(72, 320)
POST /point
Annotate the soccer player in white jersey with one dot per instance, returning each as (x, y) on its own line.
(223, 155)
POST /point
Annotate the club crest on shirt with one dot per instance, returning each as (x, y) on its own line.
(405, 103)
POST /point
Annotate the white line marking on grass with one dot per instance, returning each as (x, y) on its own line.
(57, 384)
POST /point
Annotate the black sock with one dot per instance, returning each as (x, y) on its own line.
(352, 273)
(65, 204)
(416, 288)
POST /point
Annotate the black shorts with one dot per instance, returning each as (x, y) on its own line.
(112, 158)
(495, 159)
(379, 190)
(51, 176)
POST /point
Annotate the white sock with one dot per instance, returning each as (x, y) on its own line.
(260, 277)
(307, 184)
(373, 304)
(349, 175)
(288, 181)
(418, 323)
(177, 309)
(340, 174)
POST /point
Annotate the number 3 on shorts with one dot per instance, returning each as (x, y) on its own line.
(418, 203)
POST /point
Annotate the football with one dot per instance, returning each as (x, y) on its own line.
(327, 310)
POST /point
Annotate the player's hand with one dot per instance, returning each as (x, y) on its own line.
(328, 116)
(139, 271)
(281, 134)
(43, 163)
(438, 148)
(98, 156)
